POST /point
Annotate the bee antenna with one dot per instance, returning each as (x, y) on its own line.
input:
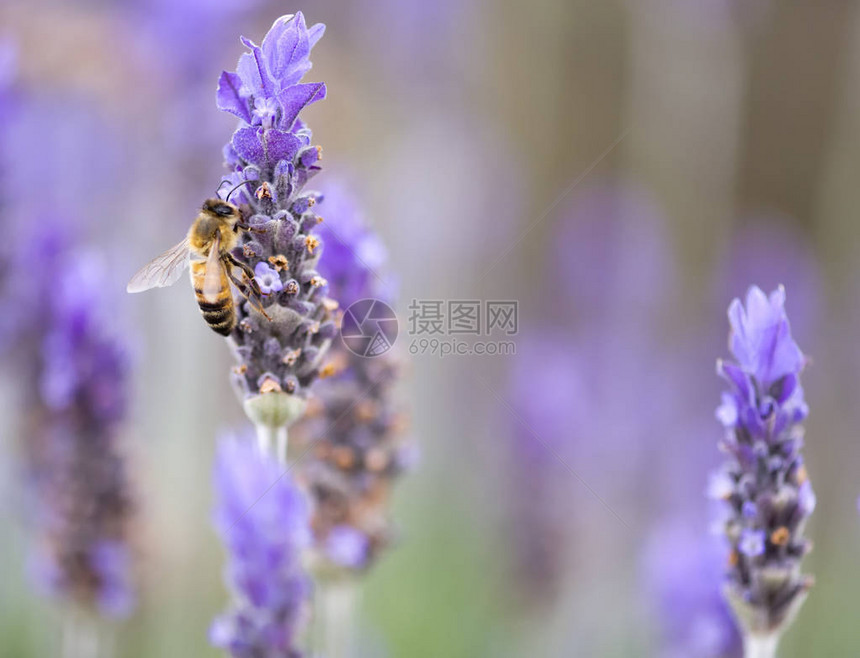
(230, 193)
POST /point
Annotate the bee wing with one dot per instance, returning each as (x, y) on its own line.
(212, 278)
(161, 271)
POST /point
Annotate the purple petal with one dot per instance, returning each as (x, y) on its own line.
(347, 547)
(270, 41)
(280, 145)
(720, 485)
(287, 47)
(246, 144)
(268, 85)
(761, 337)
(253, 72)
(806, 498)
(228, 97)
(294, 99)
(737, 340)
(737, 377)
(246, 69)
(290, 59)
(727, 412)
(752, 542)
(315, 34)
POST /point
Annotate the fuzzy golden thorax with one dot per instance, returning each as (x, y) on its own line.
(215, 216)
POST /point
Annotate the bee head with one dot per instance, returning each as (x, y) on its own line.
(220, 208)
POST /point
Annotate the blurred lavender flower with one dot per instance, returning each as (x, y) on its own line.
(577, 380)
(60, 339)
(613, 267)
(8, 101)
(766, 494)
(356, 264)
(684, 577)
(612, 258)
(76, 144)
(77, 368)
(759, 249)
(354, 422)
(541, 527)
(271, 149)
(263, 519)
(357, 430)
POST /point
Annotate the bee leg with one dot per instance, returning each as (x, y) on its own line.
(247, 273)
(253, 296)
(253, 285)
(242, 266)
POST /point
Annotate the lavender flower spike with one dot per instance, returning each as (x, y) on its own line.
(683, 576)
(355, 423)
(765, 492)
(72, 361)
(265, 527)
(271, 151)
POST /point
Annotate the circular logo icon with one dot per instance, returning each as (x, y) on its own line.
(369, 327)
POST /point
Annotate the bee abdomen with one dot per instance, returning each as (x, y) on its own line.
(221, 318)
(219, 313)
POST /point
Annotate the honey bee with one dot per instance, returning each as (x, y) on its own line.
(212, 236)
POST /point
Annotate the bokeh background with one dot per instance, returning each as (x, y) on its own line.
(622, 169)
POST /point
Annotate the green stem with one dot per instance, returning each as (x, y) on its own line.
(760, 646)
(272, 440)
(336, 606)
(80, 636)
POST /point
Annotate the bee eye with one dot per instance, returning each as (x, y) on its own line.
(222, 209)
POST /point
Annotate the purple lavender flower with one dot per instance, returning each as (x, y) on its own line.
(75, 406)
(541, 528)
(347, 547)
(271, 150)
(581, 376)
(610, 255)
(66, 141)
(354, 423)
(357, 429)
(356, 263)
(263, 519)
(683, 570)
(267, 278)
(8, 101)
(763, 486)
(269, 76)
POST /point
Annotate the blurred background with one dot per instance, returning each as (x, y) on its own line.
(621, 169)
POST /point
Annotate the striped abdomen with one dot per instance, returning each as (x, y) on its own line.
(219, 312)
